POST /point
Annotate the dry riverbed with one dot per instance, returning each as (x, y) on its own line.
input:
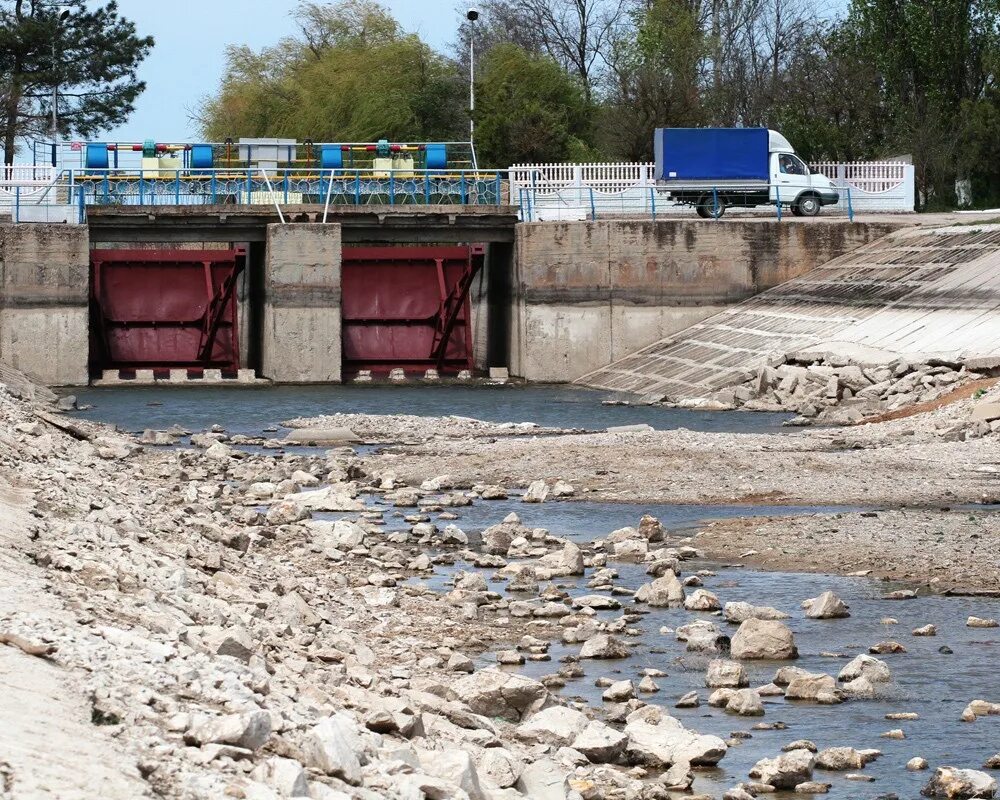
(214, 622)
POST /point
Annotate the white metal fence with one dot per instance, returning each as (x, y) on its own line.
(581, 191)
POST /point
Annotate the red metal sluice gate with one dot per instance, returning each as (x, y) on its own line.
(408, 307)
(165, 309)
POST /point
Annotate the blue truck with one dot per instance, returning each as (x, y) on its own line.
(718, 168)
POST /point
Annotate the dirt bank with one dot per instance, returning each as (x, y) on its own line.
(956, 550)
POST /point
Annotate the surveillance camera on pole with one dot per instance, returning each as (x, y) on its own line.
(472, 14)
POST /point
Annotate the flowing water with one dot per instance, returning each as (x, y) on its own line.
(250, 410)
(937, 686)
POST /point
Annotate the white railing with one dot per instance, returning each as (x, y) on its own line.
(27, 175)
(608, 177)
(868, 176)
(561, 191)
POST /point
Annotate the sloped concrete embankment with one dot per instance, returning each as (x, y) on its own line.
(915, 297)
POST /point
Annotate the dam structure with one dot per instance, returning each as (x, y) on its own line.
(297, 271)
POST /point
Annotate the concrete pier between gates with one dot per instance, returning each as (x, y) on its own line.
(301, 325)
(44, 284)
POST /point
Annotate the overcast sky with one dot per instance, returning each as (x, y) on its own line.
(191, 38)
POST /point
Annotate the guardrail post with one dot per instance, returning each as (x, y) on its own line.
(593, 206)
(499, 189)
(715, 204)
(81, 202)
(248, 185)
(142, 190)
(286, 182)
(177, 187)
(463, 186)
(777, 200)
(17, 204)
(652, 201)
(107, 189)
(214, 188)
(357, 187)
(427, 189)
(392, 188)
(850, 206)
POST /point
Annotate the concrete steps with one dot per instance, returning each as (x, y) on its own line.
(917, 293)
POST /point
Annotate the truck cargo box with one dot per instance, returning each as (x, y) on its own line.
(711, 154)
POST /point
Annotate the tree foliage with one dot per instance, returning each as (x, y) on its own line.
(532, 110)
(351, 75)
(91, 55)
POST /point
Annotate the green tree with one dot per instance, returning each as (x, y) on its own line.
(90, 54)
(528, 109)
(932, 58)
(352, 75)
(657, 79)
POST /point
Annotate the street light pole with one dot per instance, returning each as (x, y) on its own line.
(55, 88)
(472, 15)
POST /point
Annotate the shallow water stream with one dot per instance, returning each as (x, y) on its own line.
(250, 410)
(936, 686)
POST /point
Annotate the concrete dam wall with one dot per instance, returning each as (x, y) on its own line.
(589, 293)
(552, 302)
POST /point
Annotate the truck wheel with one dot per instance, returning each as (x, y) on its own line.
(808, 205)
(709, 208)
(796, 211)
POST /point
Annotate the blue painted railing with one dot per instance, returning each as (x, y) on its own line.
(287, 187)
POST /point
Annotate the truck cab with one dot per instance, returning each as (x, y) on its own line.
(793, 184)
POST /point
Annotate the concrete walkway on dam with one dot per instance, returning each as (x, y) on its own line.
(916, 293)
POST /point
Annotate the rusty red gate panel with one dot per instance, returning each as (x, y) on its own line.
(165, 309)
(408, 307)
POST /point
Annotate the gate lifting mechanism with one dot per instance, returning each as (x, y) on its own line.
(408, 307)
(162, 309)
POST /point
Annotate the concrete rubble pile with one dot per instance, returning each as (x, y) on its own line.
(233, 645)
(831, 392)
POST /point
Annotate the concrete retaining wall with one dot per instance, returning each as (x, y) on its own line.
(44, 287)
(588, 293)
(301, 325)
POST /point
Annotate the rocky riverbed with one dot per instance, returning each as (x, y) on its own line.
(241, 618)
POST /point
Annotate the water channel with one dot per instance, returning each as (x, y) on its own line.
(934, 684)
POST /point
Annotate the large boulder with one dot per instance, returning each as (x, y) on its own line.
(952, 782)
(333, 747)
(600, 743)
(493, 693)
(866, 666)
(657, 739)
(556, 725)
(250, 731)
(454, 766)
(702, 636)
(739, 611)
(826, 606)
(544, 780)
(497, 538)
(816, 686)
(665, 592)
(702, 600)
(604, 645)
(786, 771)
(759, 639)
(723, 672)
(839, 759)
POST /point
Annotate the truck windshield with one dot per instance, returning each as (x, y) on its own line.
(790, 165)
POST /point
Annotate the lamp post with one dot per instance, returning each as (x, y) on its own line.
(55, 87)
(472, 15)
